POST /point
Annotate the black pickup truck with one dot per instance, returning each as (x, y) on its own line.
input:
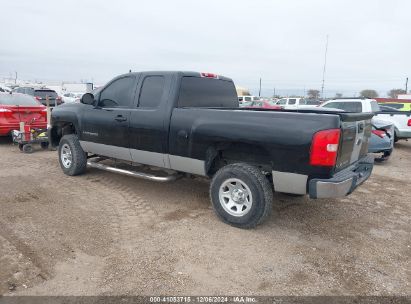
(190, 123)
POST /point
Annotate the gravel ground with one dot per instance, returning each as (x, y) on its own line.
(106, 234)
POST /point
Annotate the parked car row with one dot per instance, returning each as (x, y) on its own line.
(41, 94)
(389, 126)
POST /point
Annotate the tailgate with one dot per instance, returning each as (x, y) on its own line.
(31, 114)
(355, 134)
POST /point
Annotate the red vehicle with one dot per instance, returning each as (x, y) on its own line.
(16, 108)
(264, 105)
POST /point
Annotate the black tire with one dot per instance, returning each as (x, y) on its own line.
(27, 148)
(395, 137)
(78, 162)
(44, 145)
(21, 147)
(261, 194)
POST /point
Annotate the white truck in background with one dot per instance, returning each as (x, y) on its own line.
(77, 87)
(297, 103)
(400, 119)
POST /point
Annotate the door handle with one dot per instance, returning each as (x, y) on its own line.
(120, 118)
(182, 134)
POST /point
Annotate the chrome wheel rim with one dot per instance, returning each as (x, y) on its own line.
(66, 156)
(235, 197)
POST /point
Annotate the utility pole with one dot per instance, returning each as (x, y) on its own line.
(325, 64)
(15, 78)
(406, 85)
(274, 93)
(259, 91)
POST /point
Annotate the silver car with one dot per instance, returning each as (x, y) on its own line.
(382, 139)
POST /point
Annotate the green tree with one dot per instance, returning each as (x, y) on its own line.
(369, 93)
(314, 94)
(395, 92)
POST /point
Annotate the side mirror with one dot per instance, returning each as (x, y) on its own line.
(87, 99)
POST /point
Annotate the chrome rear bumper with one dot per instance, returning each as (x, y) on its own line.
(343, 182)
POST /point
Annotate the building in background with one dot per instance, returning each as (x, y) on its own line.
(242, 91)
(404, 96)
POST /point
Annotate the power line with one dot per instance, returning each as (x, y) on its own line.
(325, 64)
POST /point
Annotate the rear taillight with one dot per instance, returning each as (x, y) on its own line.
(409, 123)
(324, 148)
(379, 133)
(209, 75)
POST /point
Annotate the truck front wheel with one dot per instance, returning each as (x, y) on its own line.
(241, 195)
(72, 158)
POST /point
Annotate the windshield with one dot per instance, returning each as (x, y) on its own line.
(18, 100)
(394, 105)
(282, 101)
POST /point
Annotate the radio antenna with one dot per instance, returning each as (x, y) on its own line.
(325, 64)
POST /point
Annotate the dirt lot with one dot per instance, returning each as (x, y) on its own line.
(106, 234)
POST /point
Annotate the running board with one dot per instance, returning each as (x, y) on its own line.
(168, 178)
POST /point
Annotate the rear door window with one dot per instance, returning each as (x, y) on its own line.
(207, 92)
(292, 101)
(118, 94)
(311, 102)
(151, 91)
(45, 93)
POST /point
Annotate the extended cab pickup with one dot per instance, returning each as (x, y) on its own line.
(188, 122)
(400, 120)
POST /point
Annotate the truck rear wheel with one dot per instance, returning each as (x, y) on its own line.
(72, 158)
(241, 195)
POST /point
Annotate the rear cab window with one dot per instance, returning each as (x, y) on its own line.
(207, 93)
(18, 100)
(349, 106)
(43, 93)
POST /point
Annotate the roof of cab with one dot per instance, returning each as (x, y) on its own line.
(182, 74)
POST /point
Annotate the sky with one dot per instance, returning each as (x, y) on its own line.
(282, 42)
